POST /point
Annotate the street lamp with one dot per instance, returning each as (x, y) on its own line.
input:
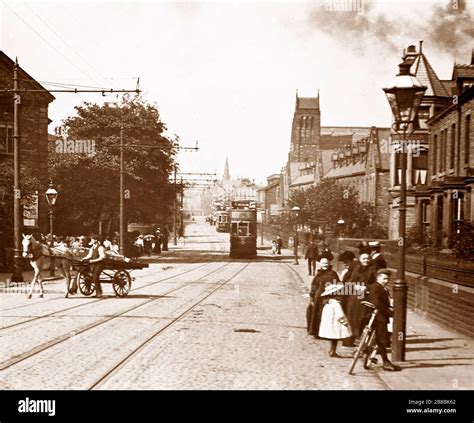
(340, 224)
(262, 214)
(296, 211)
(51, 198)
(404, 96)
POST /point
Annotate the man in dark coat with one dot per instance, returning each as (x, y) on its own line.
(165, 236)
(311, 255)
(377, 261)
(279, 244)
(325, 275)
(380, 298)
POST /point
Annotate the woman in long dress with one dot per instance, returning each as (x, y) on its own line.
(334, 324)
(324, 276)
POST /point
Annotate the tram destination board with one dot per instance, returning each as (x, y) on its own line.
(243, 204)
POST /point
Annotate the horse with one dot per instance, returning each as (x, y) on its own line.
(40, 254)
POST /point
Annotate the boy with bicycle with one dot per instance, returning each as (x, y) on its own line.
(380, 298)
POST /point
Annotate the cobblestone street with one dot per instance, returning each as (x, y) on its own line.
(194, 319)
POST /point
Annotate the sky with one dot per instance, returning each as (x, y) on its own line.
(226, 73)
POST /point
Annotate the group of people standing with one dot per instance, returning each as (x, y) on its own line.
(152, 242)
(335, 311)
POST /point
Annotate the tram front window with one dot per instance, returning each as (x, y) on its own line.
(240, 228)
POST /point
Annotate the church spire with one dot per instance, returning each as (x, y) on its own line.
(226, 176)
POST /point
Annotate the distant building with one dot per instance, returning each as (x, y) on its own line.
(365, 166)
(226, 190)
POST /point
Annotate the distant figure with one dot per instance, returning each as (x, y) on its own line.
(166, 234)
(279, 243)
(274, 246)
(311, 255)
(159, 240)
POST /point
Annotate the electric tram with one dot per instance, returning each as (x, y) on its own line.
(243, 229)
(222, 222)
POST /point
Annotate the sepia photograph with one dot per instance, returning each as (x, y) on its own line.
(257, 206)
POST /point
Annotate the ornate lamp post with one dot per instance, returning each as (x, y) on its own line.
(404, 96)
(51, 198)
(296, 211)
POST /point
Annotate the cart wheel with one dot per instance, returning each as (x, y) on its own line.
(86, 285)
(122, 283)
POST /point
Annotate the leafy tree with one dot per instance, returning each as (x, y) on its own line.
(29, 185)
(88, 184)
(326, 203)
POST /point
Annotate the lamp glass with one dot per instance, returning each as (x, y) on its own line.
(51, 196)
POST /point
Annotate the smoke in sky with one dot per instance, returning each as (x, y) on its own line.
(359, 23)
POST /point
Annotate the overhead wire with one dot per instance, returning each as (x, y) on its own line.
(64, 41)
(46, 41)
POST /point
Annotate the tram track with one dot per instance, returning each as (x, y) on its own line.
(98, 300)
(100, 381)
(65, 337)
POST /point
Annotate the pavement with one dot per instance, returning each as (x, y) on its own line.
(436, 358)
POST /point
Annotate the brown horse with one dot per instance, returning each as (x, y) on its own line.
(40, 255)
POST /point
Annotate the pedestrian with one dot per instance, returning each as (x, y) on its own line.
(165, 235)
(377, 261)
(311, 255)
(360, 282)
(159, 240)
(274, 246)
(324, 276)
(279, 242)
(349, 260)
(380, 298)
(140, 244)
(334, 324)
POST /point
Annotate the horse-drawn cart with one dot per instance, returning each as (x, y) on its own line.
(114, 271)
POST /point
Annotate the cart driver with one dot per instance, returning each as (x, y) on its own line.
(95, 257)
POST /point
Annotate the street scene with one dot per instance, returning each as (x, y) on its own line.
(225, 196)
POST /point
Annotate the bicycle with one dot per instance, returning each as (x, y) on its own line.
(367, 343)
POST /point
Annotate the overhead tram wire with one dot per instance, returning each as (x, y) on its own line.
(64, 41)
(46, 41)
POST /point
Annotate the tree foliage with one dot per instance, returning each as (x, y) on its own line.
(88, 184)
(29, 186)
(325, 204)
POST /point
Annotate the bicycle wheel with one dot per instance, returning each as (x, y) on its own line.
(370, 351)
(363, 342)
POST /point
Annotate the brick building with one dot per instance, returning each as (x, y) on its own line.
(436, 97)
(365, 166)
(451, 162)
(33, 141)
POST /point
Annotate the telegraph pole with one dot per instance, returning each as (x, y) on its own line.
(122, 203)
(17, 275)
(174, 209)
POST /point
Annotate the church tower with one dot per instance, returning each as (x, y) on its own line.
(305, 134)
(305, 130)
